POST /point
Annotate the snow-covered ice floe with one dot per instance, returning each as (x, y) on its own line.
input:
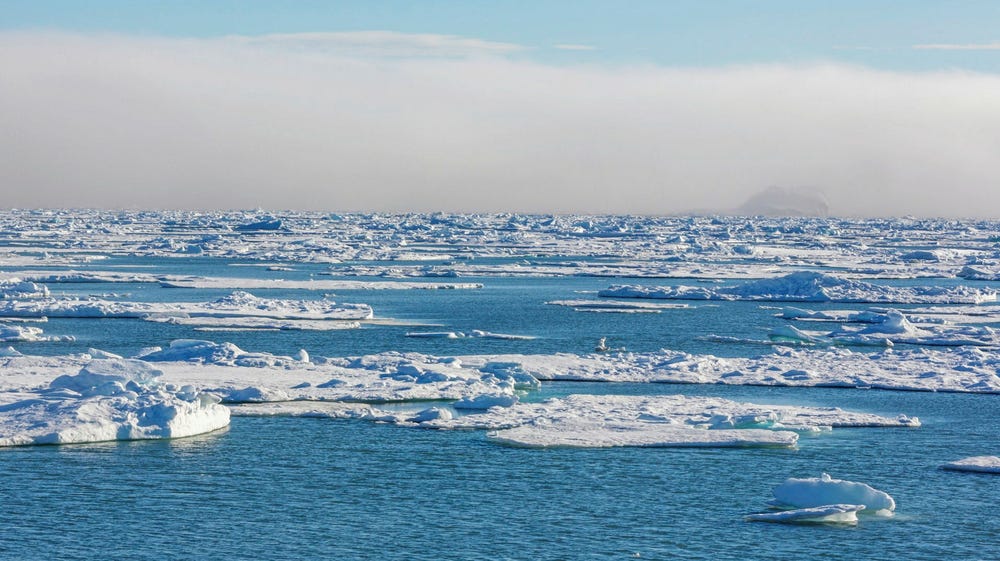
(960, 369)
(975, 464)
(808, 286)
(589, 421)
(109, 400)
(312, 284)
(827, 514)
(884, 327)
(824, 490)
(474, 334)
(237, 309)
(611, 306)
(14, 287)
(25, 334)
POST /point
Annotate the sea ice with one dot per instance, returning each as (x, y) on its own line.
(977, 464)
(808, 286)
(836, 514)
(824, 490)
(109, 400)
(25, 334)
(16, 288)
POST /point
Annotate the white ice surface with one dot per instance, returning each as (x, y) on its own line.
(976, 464)
(237, 305)
(312, 284)
(960, 369)
(837, 514)
(109, 400)
(808, 286)
(824, 490)
(22, 333)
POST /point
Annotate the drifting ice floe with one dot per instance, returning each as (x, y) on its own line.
(253, 284)
(836, 514)
(806, 286)
(109, 400)
(824, 490)
(884, 328)
(963, 369)
(976, 464)
(474, 334)
(610, 306)
(23, 334)
(676, 420)
(16, 288)
(236, 307)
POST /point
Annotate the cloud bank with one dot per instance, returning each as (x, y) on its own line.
(117, 121)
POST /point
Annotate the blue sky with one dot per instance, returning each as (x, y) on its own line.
(878, 33)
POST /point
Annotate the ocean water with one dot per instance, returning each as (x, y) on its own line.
(300, 488)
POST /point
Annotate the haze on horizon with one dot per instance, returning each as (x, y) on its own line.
(394, 121)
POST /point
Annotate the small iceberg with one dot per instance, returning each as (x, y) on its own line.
(827, 514)
(975, 464)
(825, 491)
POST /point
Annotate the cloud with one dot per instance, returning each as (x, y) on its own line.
(573, 47)
(994, 46)
(379, 44)
(116, 121)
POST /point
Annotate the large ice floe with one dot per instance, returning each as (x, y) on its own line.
(961, 369)
(239, 309)
(882, 327)
(589, 421)
(808, 286)
(109, 400)
(975, 464)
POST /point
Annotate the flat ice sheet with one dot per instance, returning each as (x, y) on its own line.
(808, 286)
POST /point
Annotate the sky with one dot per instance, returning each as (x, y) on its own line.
(879, 108)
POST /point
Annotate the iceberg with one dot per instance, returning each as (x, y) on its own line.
(824, 490)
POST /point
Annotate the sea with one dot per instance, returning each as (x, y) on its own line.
(289, 488)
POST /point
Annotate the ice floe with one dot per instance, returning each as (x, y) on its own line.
(962, 369)
(474, 334)
(312, 284)
(238, 309)
(610, 306)
(109, 400)
(14, 287)
(808, 286)
(828, 514)
(23, 334)
(976, 464)
(824, 490)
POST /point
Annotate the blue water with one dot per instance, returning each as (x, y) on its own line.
(293, 488)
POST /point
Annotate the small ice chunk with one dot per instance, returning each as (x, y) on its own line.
(824, 490)
(977, 464)
(836, 514)
(482, 402)
(432, 414)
